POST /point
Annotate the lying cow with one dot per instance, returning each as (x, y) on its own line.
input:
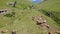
(12, 3)
(3, 11)
(4, 31)
(58, 32)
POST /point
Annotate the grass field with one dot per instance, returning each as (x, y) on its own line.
(21, 20)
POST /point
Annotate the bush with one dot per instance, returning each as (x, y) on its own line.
(47, 13)
(10, 14)
(54, 15)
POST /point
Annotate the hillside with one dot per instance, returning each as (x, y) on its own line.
(19, 17)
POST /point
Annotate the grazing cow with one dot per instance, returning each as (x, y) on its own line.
(4, 31)
(14, 32)
(50, 33)
(58, 32)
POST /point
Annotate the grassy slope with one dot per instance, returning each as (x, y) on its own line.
(52, 6)
(25, 25)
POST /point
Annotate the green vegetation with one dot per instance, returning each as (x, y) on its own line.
(53, 14)
(10, 14)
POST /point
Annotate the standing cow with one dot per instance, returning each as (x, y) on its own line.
(49, 33)
(14, 32)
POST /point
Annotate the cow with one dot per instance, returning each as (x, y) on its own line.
(3, 11)
(4, 31)
(58, 32)
(12, 3)
(0, 11)
(50, 33)
(14, 32)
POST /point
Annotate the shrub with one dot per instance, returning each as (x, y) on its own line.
(53, 14)
(10, 14)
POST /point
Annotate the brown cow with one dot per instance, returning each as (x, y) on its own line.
(50, 33)
(14, 32)
(4, 31)
(58, 32)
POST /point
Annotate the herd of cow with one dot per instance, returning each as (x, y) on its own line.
(43, 23)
